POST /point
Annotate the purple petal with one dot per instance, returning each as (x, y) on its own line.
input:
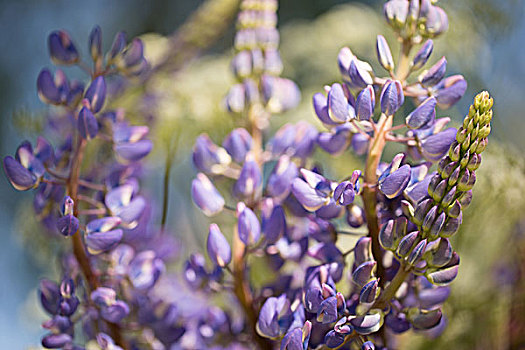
(21, 178)
(206, 196)
(96, 94)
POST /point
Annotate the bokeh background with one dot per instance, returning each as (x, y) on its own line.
(486, 44)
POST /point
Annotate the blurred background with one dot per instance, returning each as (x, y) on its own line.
(183, 96)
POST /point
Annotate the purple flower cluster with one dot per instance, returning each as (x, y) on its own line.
(117, 256)
(280, 272)
(288, 211)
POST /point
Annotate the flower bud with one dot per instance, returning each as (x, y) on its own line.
(61, 48)
(363, 272)
(48, 92)
(421, 210)
(327, 312)
(435, 74)
(367, 324)
(208, 157)
(384, 55)
(249, 182)
(422, 319)
(280, 180)
(95, 43)
(87, 124)
(421, 57)
(145, 270)
(423, 114)
(405, 245)
(96, 94)
(369, 292)
(248, 226)
(365, 103)
(238, 143)
(396, 13)
(417, 252)
(358, 75)
(451, 226)
(386, 236)
(440, 254)
(218, 247)
(392, 97)
(363, 250)
(333, 339)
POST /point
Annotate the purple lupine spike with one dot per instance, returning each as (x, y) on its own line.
(218, 247)
(450, 90)
(95, 43)
(96, 94)
(48, 92)
(327, 312)
(238, 143)
(423, 114)
(365, 103)
(205, 195)
(61, 48)
(145, 269)
(391, 97)
(367, 324)
(435, 74)
(19, 176)
(87, 124)
(422, 56)
(280, 180)
(249, 182)
(248, 226)
(384, 55)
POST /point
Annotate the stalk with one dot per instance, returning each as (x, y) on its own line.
(78, 246)
(377, 144)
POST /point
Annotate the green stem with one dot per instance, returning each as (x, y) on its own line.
(393, 286)
(403, 66)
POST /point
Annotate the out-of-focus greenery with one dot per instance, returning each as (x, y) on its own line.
(188, 102)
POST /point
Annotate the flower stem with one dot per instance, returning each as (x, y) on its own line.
(78, 246)
(392, 288)
(377, 144)
(403, 66)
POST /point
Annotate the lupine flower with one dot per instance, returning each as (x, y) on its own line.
(218, 247)
(392, 97)
(61, 48)
(206, 196)
(102, 234)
